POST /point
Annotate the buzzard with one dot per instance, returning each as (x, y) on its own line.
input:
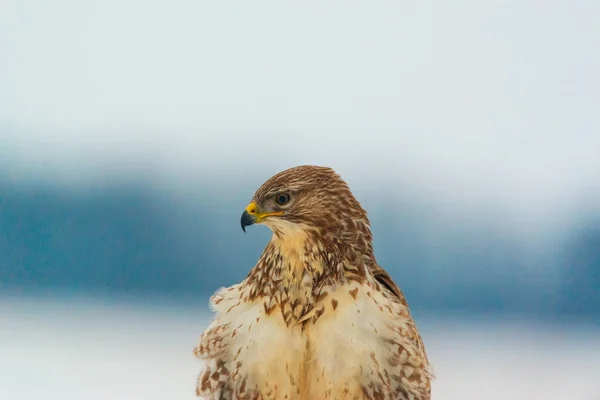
(316, 318)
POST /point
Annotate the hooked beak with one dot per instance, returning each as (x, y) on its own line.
(252, 216)
(247, 220)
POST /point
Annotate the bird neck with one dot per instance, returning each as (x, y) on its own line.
(295, 267)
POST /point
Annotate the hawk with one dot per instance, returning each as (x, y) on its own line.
(317, 317)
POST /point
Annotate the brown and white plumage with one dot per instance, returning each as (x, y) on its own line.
(316, 318)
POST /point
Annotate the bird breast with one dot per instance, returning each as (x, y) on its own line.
(352, 347)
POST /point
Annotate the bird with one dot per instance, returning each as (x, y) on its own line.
(317, 317)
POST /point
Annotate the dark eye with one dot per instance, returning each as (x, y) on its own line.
(282, 198)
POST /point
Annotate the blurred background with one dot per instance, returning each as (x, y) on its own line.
(133, 134)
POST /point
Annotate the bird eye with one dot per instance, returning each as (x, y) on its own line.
(282, 198)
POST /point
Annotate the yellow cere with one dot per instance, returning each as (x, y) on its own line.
(251, 209)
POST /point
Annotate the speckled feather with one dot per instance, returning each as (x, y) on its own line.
(316, 318)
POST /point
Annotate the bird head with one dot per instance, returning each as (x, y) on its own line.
(309, 198)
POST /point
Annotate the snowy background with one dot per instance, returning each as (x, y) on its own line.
(133, 134)
(88, 349)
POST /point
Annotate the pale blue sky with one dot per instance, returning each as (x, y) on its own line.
(494, 101)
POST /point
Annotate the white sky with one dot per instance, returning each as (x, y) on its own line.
(495, 100)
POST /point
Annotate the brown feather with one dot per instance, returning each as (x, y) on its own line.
(315, 292)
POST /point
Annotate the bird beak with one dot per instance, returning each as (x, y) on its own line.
(249, 216)
(252, 215)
